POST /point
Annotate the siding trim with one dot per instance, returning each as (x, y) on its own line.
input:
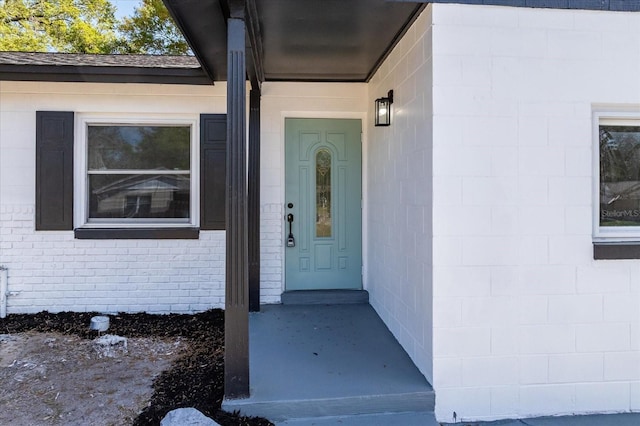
(97, 74)
(137, 233)
(613, 251)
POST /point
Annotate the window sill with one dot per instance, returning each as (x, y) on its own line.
(620, 251)
(137, 233)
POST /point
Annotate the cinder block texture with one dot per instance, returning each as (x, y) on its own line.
(517, 293)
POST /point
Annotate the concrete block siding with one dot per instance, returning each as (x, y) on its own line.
(526, 323)
(399, 196)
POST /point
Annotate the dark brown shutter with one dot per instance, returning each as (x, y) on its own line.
(54, 170)
(213, 181)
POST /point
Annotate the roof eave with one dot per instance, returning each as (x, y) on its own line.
(211, 55)
(104, 74)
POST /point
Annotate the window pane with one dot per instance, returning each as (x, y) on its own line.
(620, 175)
(139, 196)
(139, 147)
(323, 193)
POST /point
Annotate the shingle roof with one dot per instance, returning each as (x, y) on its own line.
(45, 66)
(92, 60)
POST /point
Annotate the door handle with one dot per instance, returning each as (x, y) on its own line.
(291, 242)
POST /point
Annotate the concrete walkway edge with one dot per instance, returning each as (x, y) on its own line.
(622, 419)
(423, 419)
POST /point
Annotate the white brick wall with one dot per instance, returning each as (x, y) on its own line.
(271, 256)
(525, 321)
(51, 270)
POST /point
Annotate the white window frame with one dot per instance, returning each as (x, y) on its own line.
(81, 160)
(610, 234)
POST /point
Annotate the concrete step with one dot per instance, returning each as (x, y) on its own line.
(381, 419)
(419, 403)
(324, 297)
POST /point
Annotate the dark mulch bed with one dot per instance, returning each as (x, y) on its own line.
(196, 379)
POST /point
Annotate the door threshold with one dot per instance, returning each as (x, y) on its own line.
(324, 297)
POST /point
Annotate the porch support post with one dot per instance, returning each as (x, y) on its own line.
(254, 200)
(236, 354)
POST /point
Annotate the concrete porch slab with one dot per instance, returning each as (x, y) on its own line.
(324, 297)
(311, 361)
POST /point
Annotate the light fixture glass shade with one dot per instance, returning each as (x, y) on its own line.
(383, 110)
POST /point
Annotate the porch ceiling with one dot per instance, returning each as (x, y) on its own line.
(299, 40)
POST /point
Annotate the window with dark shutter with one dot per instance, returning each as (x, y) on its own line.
(54, 170)
(55, 183)
(213, 147)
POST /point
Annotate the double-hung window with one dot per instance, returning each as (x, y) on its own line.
(115, 176)
(617, 212)
(137, 173)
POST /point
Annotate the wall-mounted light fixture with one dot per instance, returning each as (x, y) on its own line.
(383, 110)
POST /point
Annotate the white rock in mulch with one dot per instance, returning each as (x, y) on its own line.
(110, 346)
(187, 416)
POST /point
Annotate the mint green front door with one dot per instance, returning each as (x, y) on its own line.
(323, 192)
